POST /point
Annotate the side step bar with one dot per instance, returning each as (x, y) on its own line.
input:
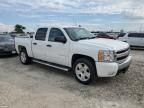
(64, 68)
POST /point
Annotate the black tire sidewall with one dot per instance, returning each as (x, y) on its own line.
(27, 58)
(91, 66)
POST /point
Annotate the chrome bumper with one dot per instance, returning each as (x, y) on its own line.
(125, 64)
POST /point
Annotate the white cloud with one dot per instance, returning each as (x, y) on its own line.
(129, 9)
(132, 7)
(6, 27)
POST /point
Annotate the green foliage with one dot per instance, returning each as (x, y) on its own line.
(19, 28)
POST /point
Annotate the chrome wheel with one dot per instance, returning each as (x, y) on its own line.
(82, 72)
(23, 57)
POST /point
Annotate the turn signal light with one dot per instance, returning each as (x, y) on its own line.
(100, 56)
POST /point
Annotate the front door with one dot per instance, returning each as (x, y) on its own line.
(57, 52)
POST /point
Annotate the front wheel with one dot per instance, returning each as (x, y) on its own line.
(24, 58)
(84, 71)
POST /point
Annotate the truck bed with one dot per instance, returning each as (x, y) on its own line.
(25, 41)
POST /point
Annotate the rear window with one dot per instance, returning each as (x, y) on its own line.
(121, 34)
(137, 35)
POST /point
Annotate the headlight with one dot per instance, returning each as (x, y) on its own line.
(106, 56)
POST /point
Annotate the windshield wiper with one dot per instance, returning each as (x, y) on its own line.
(92, 37)
(83, 38)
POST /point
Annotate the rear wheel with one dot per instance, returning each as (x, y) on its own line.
(24, 58)
(84, 70)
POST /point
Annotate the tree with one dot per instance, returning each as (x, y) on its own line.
(19, 28)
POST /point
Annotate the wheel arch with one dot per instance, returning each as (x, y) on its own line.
(20, 48)
(78, 56)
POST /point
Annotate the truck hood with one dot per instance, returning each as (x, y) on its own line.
(106, 43)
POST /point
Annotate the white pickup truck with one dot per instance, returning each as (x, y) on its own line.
(75, 49)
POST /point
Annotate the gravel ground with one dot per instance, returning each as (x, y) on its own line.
(38, 86)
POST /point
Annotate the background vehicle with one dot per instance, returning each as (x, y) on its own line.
(73, 48)
(134, 39)
(104, 35)
(7, 45)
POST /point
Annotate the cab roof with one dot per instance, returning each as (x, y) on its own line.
(59, 27)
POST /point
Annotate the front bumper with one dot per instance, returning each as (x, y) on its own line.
(111, 69)
(7, 52)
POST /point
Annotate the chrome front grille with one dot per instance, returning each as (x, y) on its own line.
(122, 55)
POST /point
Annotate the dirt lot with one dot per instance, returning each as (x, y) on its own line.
(38, 86)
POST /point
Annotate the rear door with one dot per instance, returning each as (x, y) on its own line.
(57, 52)
(135, 39)
(39, 43)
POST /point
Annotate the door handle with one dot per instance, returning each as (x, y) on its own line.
(49, 45)
(34, 43)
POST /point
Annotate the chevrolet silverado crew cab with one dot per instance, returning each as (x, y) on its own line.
(75, 49)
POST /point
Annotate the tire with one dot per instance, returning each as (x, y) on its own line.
(24, 58)
(84, 71)
(125, 70)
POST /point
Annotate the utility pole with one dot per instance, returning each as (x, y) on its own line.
(75, 20)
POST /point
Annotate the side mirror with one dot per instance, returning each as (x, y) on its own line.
(61, 39)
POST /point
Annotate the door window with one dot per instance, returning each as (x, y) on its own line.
(55, 32)
(142, 35)
(136, 35)
(41, 34)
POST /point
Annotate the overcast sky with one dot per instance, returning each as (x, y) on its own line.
(92, 14)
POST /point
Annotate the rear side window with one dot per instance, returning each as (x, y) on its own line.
(136, 35)
(121, 35)
(55, 32)
(41, 34)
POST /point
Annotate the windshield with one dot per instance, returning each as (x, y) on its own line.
(121, 34)
(5, 39)
(78, 33)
